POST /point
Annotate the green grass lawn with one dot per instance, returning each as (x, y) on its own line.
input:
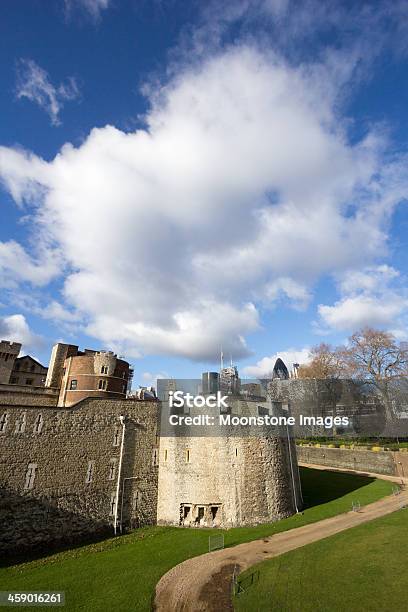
(121, 573)
(364, 568)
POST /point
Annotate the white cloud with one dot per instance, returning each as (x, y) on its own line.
(33, 83)
(371, 296)
(93, 8)
(16, 329)
(297, 294)
(355, 312)
(363, 28)
(264, 367)
(16, 266)
(56, 312)
(368, 279)
(241, 189)
(193, 333)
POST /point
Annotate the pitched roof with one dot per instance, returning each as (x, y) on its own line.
(31, 359)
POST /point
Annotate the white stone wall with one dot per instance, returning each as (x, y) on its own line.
(249, 479)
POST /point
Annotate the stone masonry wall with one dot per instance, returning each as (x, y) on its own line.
(20, 395)
(75, 457)
(381, 462)
(247, 479)
(8, 353)
(60, 352)
(243, 477)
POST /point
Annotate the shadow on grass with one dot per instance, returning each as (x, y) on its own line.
(12, 558)
(320, 487)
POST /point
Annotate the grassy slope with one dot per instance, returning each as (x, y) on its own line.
(123, 572)
(363, 568)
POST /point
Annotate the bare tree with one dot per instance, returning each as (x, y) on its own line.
(326, 362)
(376, 356)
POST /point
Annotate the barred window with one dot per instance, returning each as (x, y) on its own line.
(38, 425)
(116, 437)
(112, 504)
(3, 422)
(155, 458)
(30, 476)
(112, 469)
(21, 424)
(89, 472)
(137, 500)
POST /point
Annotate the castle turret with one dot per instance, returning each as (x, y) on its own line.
(94, 374)
(60, 352)
(8, 353)
(223, 477)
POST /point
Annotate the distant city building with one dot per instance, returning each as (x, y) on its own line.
(280, 370)
(229, 380)
(144, 393)
(210, 382)
(28, 371)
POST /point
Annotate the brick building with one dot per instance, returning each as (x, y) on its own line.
(88, 373)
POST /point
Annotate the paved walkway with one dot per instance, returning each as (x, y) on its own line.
(204, 583)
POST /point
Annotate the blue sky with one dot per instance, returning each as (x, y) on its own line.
(176, 177)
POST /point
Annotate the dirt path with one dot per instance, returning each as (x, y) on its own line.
(204, 583)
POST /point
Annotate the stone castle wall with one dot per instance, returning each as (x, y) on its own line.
(60, 352)
(235, 480)
(222, 476)
(8, 353)
(20, 395)
(381, 462)
(74, 454)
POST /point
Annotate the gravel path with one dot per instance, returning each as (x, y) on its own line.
(204, 583)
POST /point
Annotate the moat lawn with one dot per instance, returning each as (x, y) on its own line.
(121, 573)
(363, 568)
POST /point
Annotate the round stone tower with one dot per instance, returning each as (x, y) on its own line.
(94, 374)
(228, 480)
